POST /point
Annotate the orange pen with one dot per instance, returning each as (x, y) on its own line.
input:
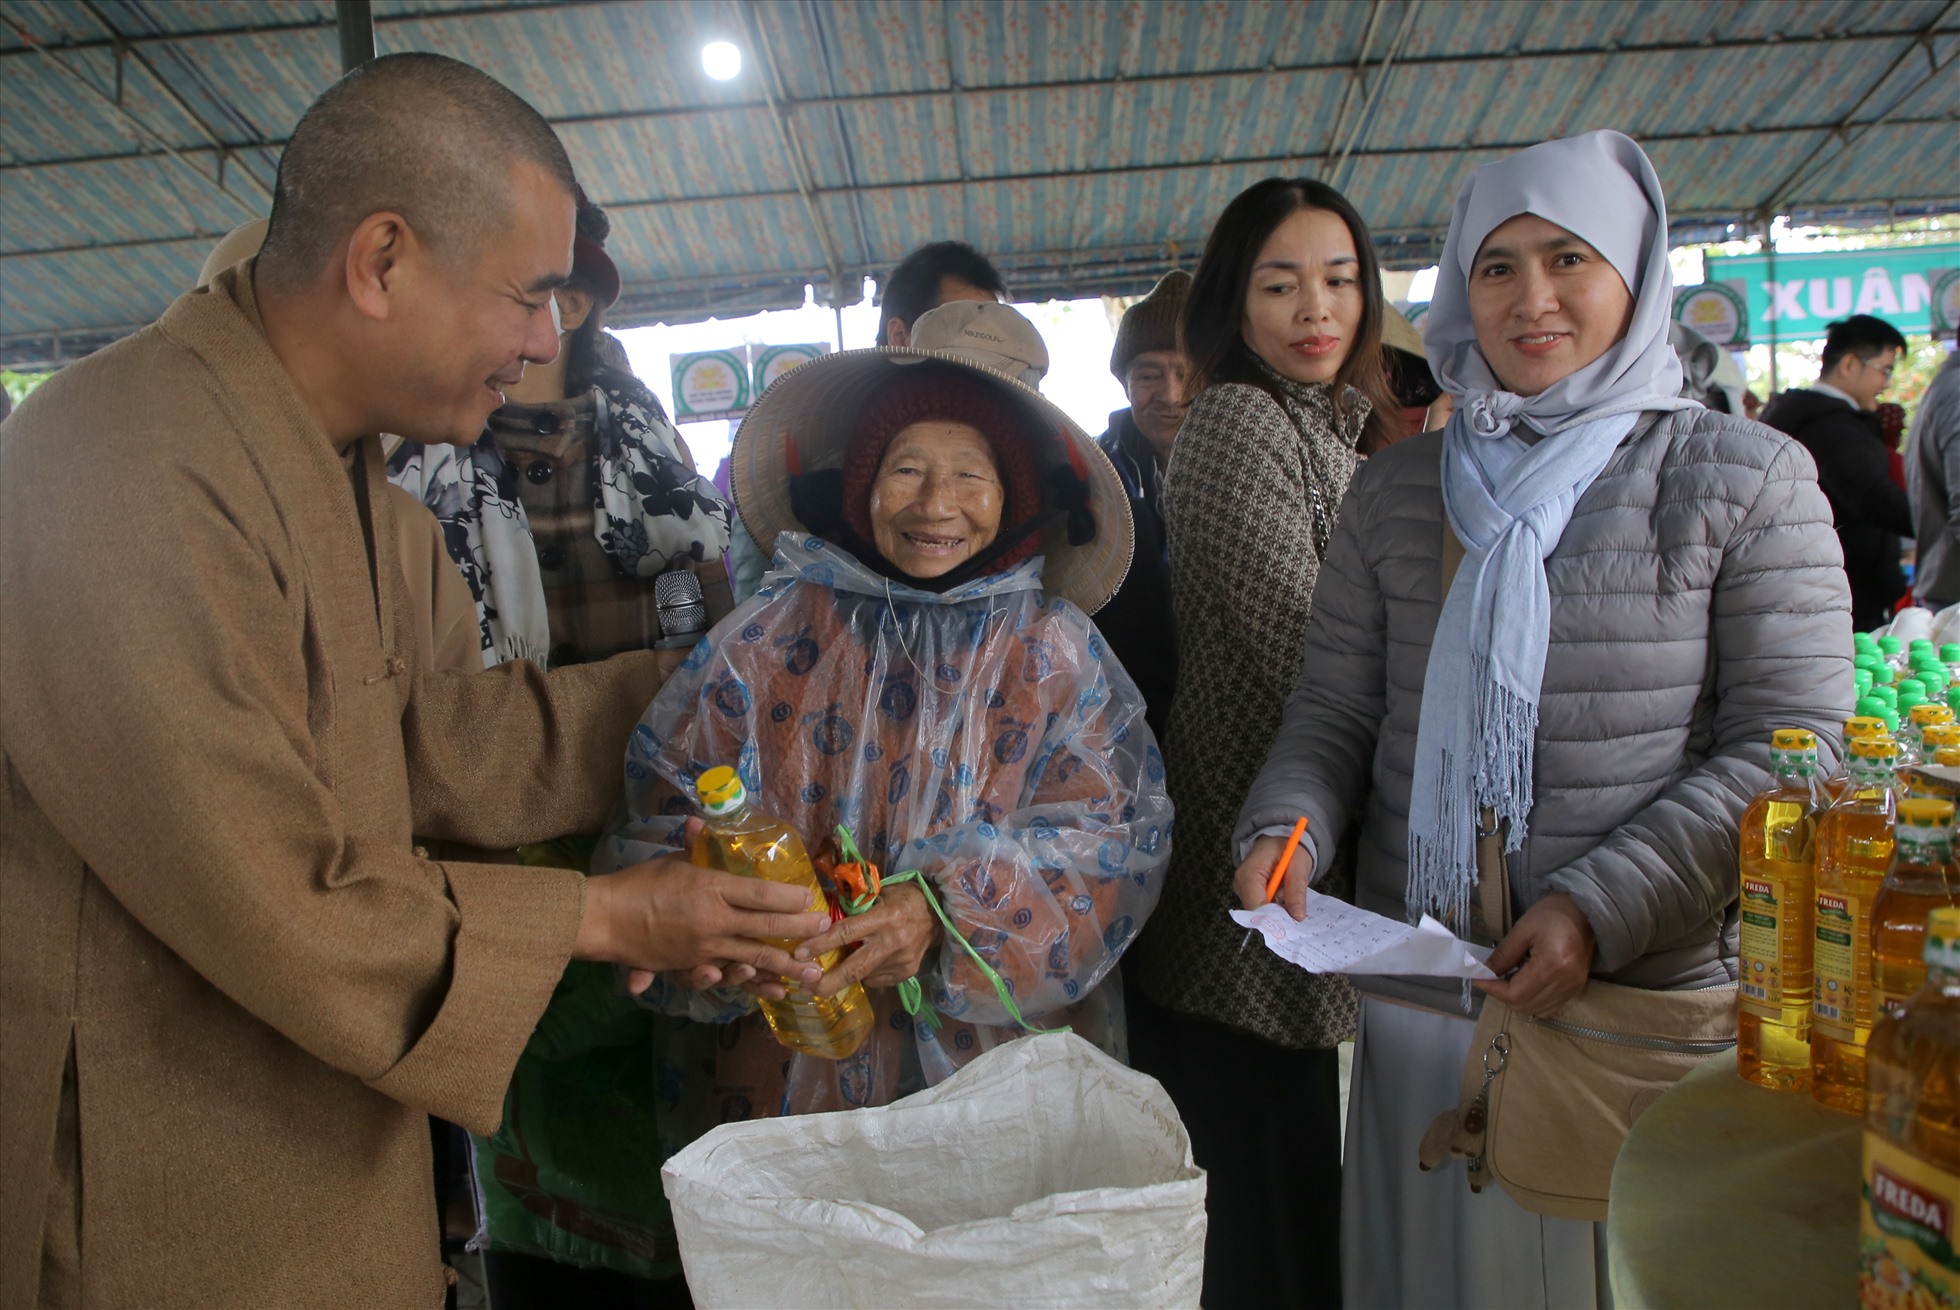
(1285, 859)
(1279, 868)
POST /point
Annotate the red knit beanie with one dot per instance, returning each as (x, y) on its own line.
(924, 393)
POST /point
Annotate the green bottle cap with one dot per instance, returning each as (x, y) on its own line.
(1863, 641)
(1888, 646)
(1911, 687)
(1907, 701)
(1885, 675)
(1950, 653)
(1918, 644)
(1871, 707)
(1862, 680)
(1867, 659)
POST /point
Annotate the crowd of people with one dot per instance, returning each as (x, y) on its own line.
(426, 625)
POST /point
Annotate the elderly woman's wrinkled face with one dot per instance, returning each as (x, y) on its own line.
(937, 499)
(1545, 303)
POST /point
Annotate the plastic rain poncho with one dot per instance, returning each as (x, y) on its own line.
(984, 737)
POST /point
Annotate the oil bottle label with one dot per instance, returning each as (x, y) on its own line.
(1760, 990)
(1841, 924)
(1905, 1237)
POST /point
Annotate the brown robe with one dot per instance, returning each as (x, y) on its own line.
(233, 987)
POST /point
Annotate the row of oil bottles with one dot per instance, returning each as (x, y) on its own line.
(1849, 952)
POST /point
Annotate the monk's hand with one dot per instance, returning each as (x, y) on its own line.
(667, 915)
(1551, 948)
(724, 973)
(1250, 880)
(893, 936)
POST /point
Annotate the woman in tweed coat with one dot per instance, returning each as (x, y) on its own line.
(1283, 325)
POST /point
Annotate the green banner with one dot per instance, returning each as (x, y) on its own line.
(1794, 297)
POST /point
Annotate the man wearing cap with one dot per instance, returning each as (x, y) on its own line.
(1153, 370)
(234, 988)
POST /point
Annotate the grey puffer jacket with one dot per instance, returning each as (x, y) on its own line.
(1698, 604)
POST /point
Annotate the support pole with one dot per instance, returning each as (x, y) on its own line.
(355, 21)
(1769, 245)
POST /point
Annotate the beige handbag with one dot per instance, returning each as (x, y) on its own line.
(1546, 1101)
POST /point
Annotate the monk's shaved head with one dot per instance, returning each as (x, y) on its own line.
(419, 135)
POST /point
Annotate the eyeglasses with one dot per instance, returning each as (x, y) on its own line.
(1886, 369)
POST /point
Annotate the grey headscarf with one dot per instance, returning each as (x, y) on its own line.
(1509, 500)
(1600, 187)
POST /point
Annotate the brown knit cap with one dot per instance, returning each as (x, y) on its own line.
(1151, 323)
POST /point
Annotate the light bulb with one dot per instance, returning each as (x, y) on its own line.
(721, 60)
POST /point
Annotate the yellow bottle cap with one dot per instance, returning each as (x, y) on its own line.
(1793, 739)
(1928, 714)
(720, 789)
(1938, 735)
(1876, 746)
(1925, 812)
(1943, 937)
(1865, 725)
(1947, 757)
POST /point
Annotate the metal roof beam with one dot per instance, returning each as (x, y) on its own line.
(1442, 60)
(1715, 45)
(137, 126)
(323, 23)
(1362, 119)
(956, 91)
(1384, 152)
(1437, 148)
(772, 85)
(1841, 133)
(123, 51)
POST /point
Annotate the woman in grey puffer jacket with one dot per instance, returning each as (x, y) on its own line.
(1648, 589)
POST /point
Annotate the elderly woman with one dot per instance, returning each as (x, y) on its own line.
(1646, 590)
(920, 668)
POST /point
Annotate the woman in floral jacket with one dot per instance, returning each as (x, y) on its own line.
(917, 672)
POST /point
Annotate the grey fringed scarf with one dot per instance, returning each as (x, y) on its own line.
(1509, 500)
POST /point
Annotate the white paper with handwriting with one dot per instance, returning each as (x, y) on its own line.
(1336, 937)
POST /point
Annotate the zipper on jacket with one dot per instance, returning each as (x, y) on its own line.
(1697, 1046)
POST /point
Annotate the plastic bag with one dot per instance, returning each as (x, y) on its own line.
(1044, 1173)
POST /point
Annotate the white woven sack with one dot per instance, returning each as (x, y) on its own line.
(1044, 1173)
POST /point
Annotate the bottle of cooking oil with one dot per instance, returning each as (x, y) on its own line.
(1920, 880)
(1912, 748)
(736, 839)
(1912, 1138)
(1859, 725)
(1935, 737)
(1854, 849)
(1778, 887)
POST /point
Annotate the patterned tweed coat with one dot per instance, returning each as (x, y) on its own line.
(1250, 500)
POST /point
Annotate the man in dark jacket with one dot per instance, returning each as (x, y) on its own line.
(1153, 369)
(1833, 420)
